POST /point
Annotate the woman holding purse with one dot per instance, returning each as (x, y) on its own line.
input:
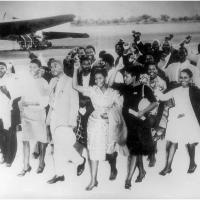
(138, 102)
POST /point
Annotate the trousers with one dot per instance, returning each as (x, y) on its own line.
(64, 151)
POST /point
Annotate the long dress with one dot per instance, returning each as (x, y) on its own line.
(182, 126)
(33, 117)
(101, 139)
(139, 139)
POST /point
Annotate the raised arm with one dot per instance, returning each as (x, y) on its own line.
(75, 85)
(115, 71)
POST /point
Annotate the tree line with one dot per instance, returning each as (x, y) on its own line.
(143, 19)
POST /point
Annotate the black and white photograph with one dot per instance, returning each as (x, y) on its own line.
(99, 99)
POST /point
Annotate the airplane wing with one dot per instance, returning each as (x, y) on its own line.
(21, 27)
(59, 35)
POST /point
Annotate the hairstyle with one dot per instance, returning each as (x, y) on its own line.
(90, 47)
(81, 48)
(183, 50)
(85, 58)
(57, 61)
(120, 43)
(152, 63)
(198, 48)
(4, 64)
(99, 70)
(188, 72)
(50, 61)
(37, 62)
(133, 70)
(108, 58)
(101, 53)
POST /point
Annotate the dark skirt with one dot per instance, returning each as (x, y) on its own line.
(139, 139)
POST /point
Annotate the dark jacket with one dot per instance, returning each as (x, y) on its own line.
(194, 93)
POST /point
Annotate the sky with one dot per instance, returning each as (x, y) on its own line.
(97, 9)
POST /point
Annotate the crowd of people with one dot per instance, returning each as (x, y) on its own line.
(106, 105)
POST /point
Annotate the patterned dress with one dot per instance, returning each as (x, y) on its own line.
(99, 125)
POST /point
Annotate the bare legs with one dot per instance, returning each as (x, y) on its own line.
(170, 152)
(132, 161)
(41, 166)
(26, 158)
(140, 166)
(191, 152)
(26, 153)
(93, 170)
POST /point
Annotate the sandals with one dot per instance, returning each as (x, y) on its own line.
(24, 171)
(90, 187)
(140, 177)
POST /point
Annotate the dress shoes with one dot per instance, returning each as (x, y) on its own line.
(140, 177)
(165, 171)
(81, 168)
(127, 185)
(191, 170)
(55, 179)
(24, 171)
(40, 169)
(91, 186)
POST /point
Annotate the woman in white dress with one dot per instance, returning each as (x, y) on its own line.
(184, 119)
(106, 127)
(34, 99)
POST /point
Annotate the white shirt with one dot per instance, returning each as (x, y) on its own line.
(118, 78)
(86, 80)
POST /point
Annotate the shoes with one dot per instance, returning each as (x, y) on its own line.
(152, 163)
(140, 177)
(113, 174)
(35, 155)
(91, 186)
(8, 165)
(55, 179)
(81, 168)
(40, 169)
(127, 185)
(191, 170)
(165, 171)
(24, 171)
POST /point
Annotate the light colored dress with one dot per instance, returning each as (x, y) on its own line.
(102, 134)
(182, 126)
(33, 117)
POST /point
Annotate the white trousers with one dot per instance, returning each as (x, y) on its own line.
(64, 139)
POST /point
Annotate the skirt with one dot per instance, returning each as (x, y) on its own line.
(97, 140)
(139, 140)
(33, 126)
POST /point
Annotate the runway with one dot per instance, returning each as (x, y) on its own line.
(178, 184)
